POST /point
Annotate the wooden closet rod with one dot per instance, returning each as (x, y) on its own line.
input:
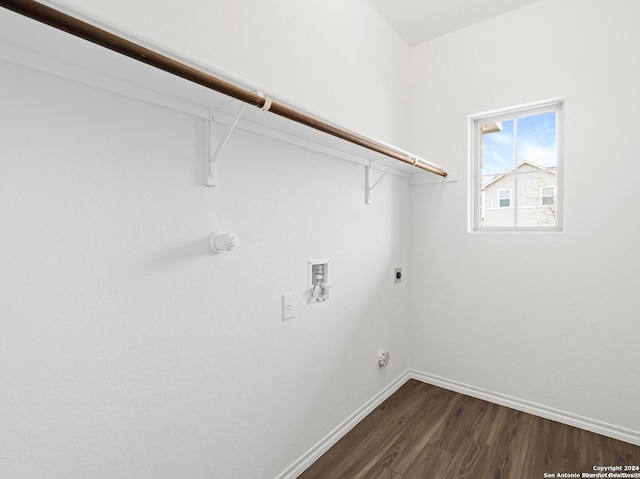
(57, 19)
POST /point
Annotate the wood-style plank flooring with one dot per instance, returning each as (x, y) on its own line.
(424, 431)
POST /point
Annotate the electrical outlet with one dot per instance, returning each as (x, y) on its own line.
(288, 306)
(398, 275)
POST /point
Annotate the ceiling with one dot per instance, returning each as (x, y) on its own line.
(418, 21)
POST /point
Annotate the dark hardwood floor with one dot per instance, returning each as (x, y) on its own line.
(424, 431)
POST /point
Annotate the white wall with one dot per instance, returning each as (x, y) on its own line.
(548, 318)
(337, 58)
(126, 348)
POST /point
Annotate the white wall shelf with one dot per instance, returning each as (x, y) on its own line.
(38, 46)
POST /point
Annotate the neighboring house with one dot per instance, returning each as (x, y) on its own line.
(532, 200)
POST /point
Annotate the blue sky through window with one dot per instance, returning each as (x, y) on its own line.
(537, 143)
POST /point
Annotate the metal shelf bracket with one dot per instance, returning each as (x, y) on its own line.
(216, 147)
(368, 187)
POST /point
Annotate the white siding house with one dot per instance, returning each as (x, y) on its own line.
(524, 196)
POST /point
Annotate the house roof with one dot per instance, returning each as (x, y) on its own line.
(519, 165)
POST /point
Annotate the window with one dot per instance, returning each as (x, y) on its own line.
(516, 168)
(548, 196)
(505, 198)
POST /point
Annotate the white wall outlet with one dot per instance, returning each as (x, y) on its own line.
(288, 306)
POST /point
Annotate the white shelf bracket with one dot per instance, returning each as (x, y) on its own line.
(368, 187)
(216, 147)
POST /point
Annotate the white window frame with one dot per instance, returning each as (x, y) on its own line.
(500, 199)
(556, 105)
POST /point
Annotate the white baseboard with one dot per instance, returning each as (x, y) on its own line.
(599, 427)
(334, 436)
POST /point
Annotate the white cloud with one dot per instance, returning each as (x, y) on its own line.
(502, 138)
(538, 154)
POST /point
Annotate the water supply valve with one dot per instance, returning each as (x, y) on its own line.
(325, 289)
(319, 285)
(315, 294)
